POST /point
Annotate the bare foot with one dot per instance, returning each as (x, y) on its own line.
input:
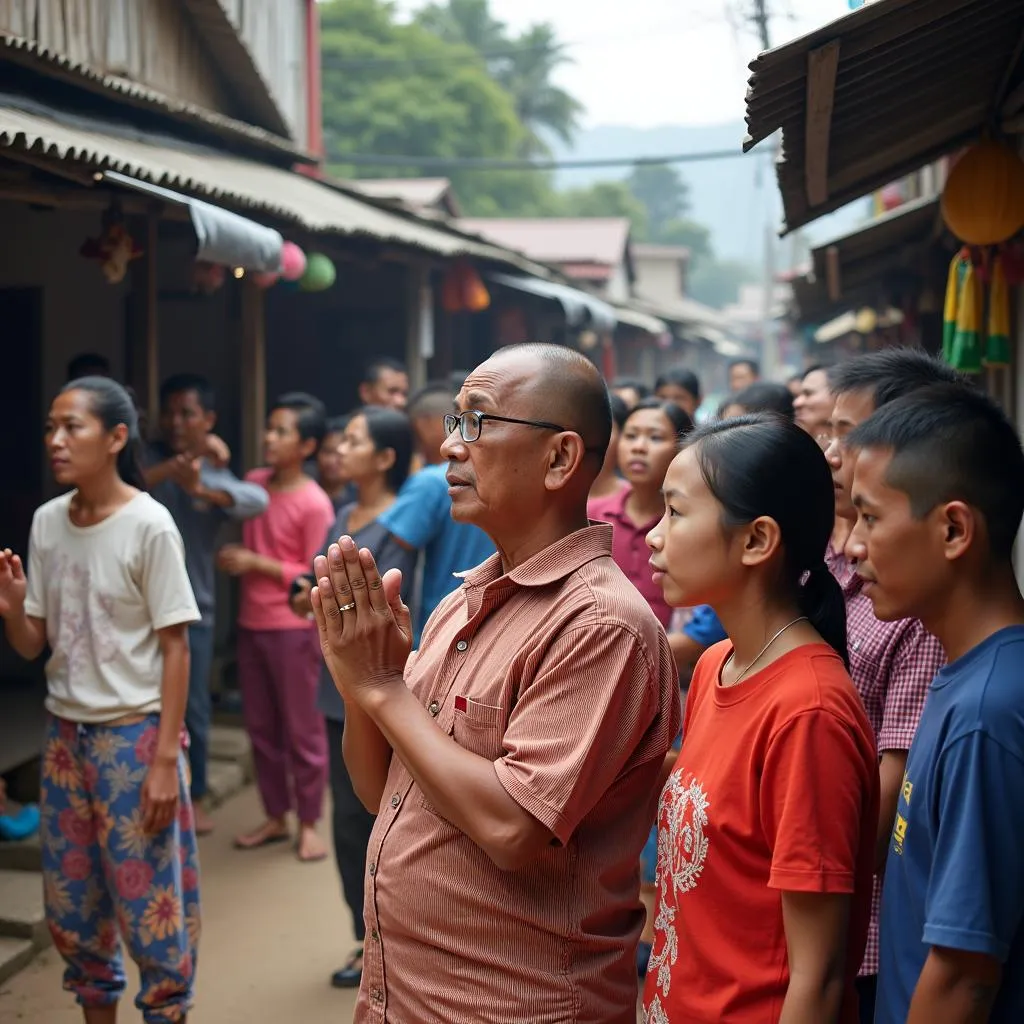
(273, 830)
(311, 847)
(204, 824)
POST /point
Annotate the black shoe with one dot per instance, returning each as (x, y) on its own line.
(643, 955)
(350, 975)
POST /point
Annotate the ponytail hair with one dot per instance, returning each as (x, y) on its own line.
(765, 465)
(112, 405)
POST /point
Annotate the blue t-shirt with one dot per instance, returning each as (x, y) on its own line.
(422, 518)
(955, 872)
(704, 626)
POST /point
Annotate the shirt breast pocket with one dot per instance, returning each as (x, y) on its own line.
(479, 728)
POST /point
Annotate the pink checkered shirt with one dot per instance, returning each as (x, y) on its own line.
(892, 665)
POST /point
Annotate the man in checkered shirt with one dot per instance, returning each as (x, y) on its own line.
(892, 663)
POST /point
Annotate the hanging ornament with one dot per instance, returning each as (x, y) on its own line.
(983, 201)
(114, 248)
(997, 344)
(463, 290)
(293, 262)
(320, 273)
(965, 349)
(264, 279)
(207, 277)
(951, 307)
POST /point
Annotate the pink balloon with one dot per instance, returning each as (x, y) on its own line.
(266, 278)
(293, 262)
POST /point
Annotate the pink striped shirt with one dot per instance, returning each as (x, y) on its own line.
(560, 675)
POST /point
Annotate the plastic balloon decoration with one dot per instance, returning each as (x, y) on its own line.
(293, 262)
(320, 273)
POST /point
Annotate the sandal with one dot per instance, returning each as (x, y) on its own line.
(350, 975)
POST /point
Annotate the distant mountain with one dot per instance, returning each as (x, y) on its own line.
(735, 198)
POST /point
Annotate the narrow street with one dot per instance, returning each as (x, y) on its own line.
(273, 930)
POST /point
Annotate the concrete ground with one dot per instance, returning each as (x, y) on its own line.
(273, 931)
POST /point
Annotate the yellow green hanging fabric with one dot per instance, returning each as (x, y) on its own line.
(997, 345)
(952, 306)
(965, 351)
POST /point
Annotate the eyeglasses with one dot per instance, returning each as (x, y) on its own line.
(471, 423)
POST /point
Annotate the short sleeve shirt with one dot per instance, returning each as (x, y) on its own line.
(422, 518)
(104, 591)
(954, 874)
(629, 549)
(559, 675)
(775, 789)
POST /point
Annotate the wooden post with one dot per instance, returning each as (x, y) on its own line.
(419, 337)
(254, 374)
(152, 392)
(142, 341)
(822, 66)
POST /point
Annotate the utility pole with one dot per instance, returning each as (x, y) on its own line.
(769, 336)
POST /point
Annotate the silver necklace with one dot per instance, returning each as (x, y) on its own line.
(760, 655)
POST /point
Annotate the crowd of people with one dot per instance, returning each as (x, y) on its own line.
(604, 684)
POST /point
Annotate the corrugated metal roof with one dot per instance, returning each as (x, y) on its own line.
(414, 191)
(241, 183)
(28, 53)
(915, 79)
(557, 239)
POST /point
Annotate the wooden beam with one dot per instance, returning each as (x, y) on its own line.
(254, 373)
(1013, 102)
(152, 319)
(822, 65)
(833, 277)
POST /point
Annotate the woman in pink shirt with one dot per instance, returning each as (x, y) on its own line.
(649, 441)
(279, 654)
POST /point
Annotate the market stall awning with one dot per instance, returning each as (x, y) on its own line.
(48, 135)
(898, 241)
(581, 308)
(882, 92)
(222, 236)
(861, 322)
(628, 316)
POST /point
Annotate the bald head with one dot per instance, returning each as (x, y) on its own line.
(561, 385)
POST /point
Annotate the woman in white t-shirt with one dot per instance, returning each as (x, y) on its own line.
(107, 592)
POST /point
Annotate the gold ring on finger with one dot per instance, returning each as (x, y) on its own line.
(347, 607)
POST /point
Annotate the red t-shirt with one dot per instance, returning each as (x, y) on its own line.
(775, 788)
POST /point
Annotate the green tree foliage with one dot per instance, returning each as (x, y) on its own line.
(717, 282)
(696, 237)
(663, 193)
(522, 64)
(605, 199)
(396, 89)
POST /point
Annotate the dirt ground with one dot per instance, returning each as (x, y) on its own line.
(273, 931)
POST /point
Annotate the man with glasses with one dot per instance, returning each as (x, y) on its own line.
(514, 759)
(892, 663)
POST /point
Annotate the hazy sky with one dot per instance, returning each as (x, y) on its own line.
(655, 62)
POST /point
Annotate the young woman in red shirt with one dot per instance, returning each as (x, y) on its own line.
(767, 821)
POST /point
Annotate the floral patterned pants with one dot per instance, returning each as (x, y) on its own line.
(102, 874)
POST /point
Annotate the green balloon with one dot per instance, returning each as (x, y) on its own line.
(320, 273)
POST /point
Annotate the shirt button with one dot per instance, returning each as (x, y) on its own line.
(395, 799)
(434, 708)
(461, 645)
(372, 869)
(374, 935)
(377, 995)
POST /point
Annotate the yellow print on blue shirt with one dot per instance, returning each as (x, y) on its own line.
(899, 828)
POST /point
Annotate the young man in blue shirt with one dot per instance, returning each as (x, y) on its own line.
(421, 517)
(939, 491)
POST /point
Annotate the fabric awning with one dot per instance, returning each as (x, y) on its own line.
(881, 92)
(630, 317)
(47, 134)
(222, 236)
(581, 308)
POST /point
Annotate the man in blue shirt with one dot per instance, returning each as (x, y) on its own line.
(421, 517)
(939, 492)
(201, 497)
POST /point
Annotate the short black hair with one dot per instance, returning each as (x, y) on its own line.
(180, 382)
(310, 414)
(951, 442)
(88, 364)
(890, 373)
(681, 377)
(435, 398)
(762, 396)
(813, 368)
(637, 385)
(676, 415)
(755, 366)
(336, 424)
(373, 370)
(620, 410)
